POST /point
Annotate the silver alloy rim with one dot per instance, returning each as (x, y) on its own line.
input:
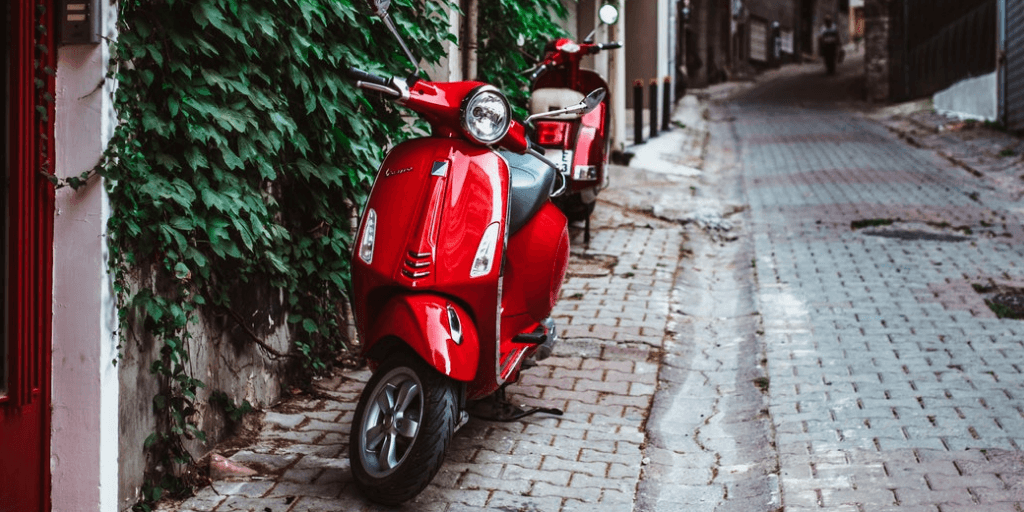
(391, 422)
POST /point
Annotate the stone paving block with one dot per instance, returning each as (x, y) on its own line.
(546, 490)
(247, 489)
(248, 503)
(509, 501)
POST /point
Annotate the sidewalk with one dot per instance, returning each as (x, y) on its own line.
(613, 316)
(980, 148)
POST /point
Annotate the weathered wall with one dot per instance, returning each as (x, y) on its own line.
(876, 49)
(782, 11)
(222, 355)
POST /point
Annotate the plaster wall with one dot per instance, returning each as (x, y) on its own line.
(974, 98)
(84, 441)
(641, 22)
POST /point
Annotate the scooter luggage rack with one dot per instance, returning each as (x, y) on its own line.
(497, 407)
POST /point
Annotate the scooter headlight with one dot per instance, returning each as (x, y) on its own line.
(486, 115)
(484, 259)
(369, 236)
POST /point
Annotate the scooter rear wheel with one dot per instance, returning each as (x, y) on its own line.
(402, 428)
(574, 208)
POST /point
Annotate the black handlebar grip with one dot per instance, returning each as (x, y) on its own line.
(611, 46)
(363, 76)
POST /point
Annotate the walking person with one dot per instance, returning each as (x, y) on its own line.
(828, 44)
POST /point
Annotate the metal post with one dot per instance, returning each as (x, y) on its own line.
(666, 106)
(653, 98)
(638, 111)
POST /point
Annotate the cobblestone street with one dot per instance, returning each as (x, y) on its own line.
(782, 308)
(892, 385)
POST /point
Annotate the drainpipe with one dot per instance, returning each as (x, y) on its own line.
(1001, 63)
(472, 20)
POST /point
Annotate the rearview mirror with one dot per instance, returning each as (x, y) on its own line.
(609, 14)
(594, 99)
(589, 103)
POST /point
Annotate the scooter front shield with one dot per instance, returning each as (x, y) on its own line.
(438, 209)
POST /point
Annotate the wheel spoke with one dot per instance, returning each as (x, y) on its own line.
(385, 400)
(408, 428)
(407, 396)
(374, 437)
(387, 458)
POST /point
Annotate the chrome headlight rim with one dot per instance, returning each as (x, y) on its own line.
(464, 114)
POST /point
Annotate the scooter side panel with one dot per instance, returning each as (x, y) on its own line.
(538, 255)
(421, 321)
(590, 146)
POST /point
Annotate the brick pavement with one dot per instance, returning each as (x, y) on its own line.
(612, 314)
(885, 393)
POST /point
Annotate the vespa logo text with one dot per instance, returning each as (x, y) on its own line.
(395, 172)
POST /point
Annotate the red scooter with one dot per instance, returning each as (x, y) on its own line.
(578, 144)
(457, 264)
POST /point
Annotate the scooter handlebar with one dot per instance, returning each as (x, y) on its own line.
(362, 76)
(540, 69)
(374, 83)
(610, 46)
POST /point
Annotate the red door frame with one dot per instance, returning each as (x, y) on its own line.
(25, 409)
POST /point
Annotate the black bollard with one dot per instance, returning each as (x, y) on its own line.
(666, 105)
(638, 110)
(654, 108)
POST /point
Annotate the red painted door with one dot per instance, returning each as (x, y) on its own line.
(26, 247)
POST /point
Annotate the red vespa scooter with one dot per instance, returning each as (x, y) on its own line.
(578, 144)
(457, 264)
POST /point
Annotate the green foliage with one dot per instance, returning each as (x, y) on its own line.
(241, 154)
(501, 61)
(233, 412)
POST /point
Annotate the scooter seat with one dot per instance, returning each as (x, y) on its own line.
(554, 98)
(532, 181)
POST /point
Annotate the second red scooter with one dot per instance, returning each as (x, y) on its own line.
(579, 145)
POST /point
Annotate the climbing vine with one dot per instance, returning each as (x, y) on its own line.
(240, 155)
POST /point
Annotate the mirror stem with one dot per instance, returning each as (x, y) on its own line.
(390, 23)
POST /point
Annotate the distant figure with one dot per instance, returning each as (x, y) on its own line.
(828, 44)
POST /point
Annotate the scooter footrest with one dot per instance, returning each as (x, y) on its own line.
(538, 336)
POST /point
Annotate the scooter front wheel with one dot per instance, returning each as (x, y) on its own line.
(402, 428)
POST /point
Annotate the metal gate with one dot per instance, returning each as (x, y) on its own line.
(936, 43)
(1014, 78)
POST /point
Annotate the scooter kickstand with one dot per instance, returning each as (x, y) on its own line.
(501, 409)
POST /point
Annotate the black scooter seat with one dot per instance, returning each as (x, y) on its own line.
(532, 181)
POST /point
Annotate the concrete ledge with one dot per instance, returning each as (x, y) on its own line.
(973, 98)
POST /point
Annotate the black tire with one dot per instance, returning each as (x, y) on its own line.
(411, 408)
(574, 208)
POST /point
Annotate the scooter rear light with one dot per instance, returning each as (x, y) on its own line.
(551, 133)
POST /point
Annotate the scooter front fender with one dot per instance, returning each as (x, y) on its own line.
(421, 321)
